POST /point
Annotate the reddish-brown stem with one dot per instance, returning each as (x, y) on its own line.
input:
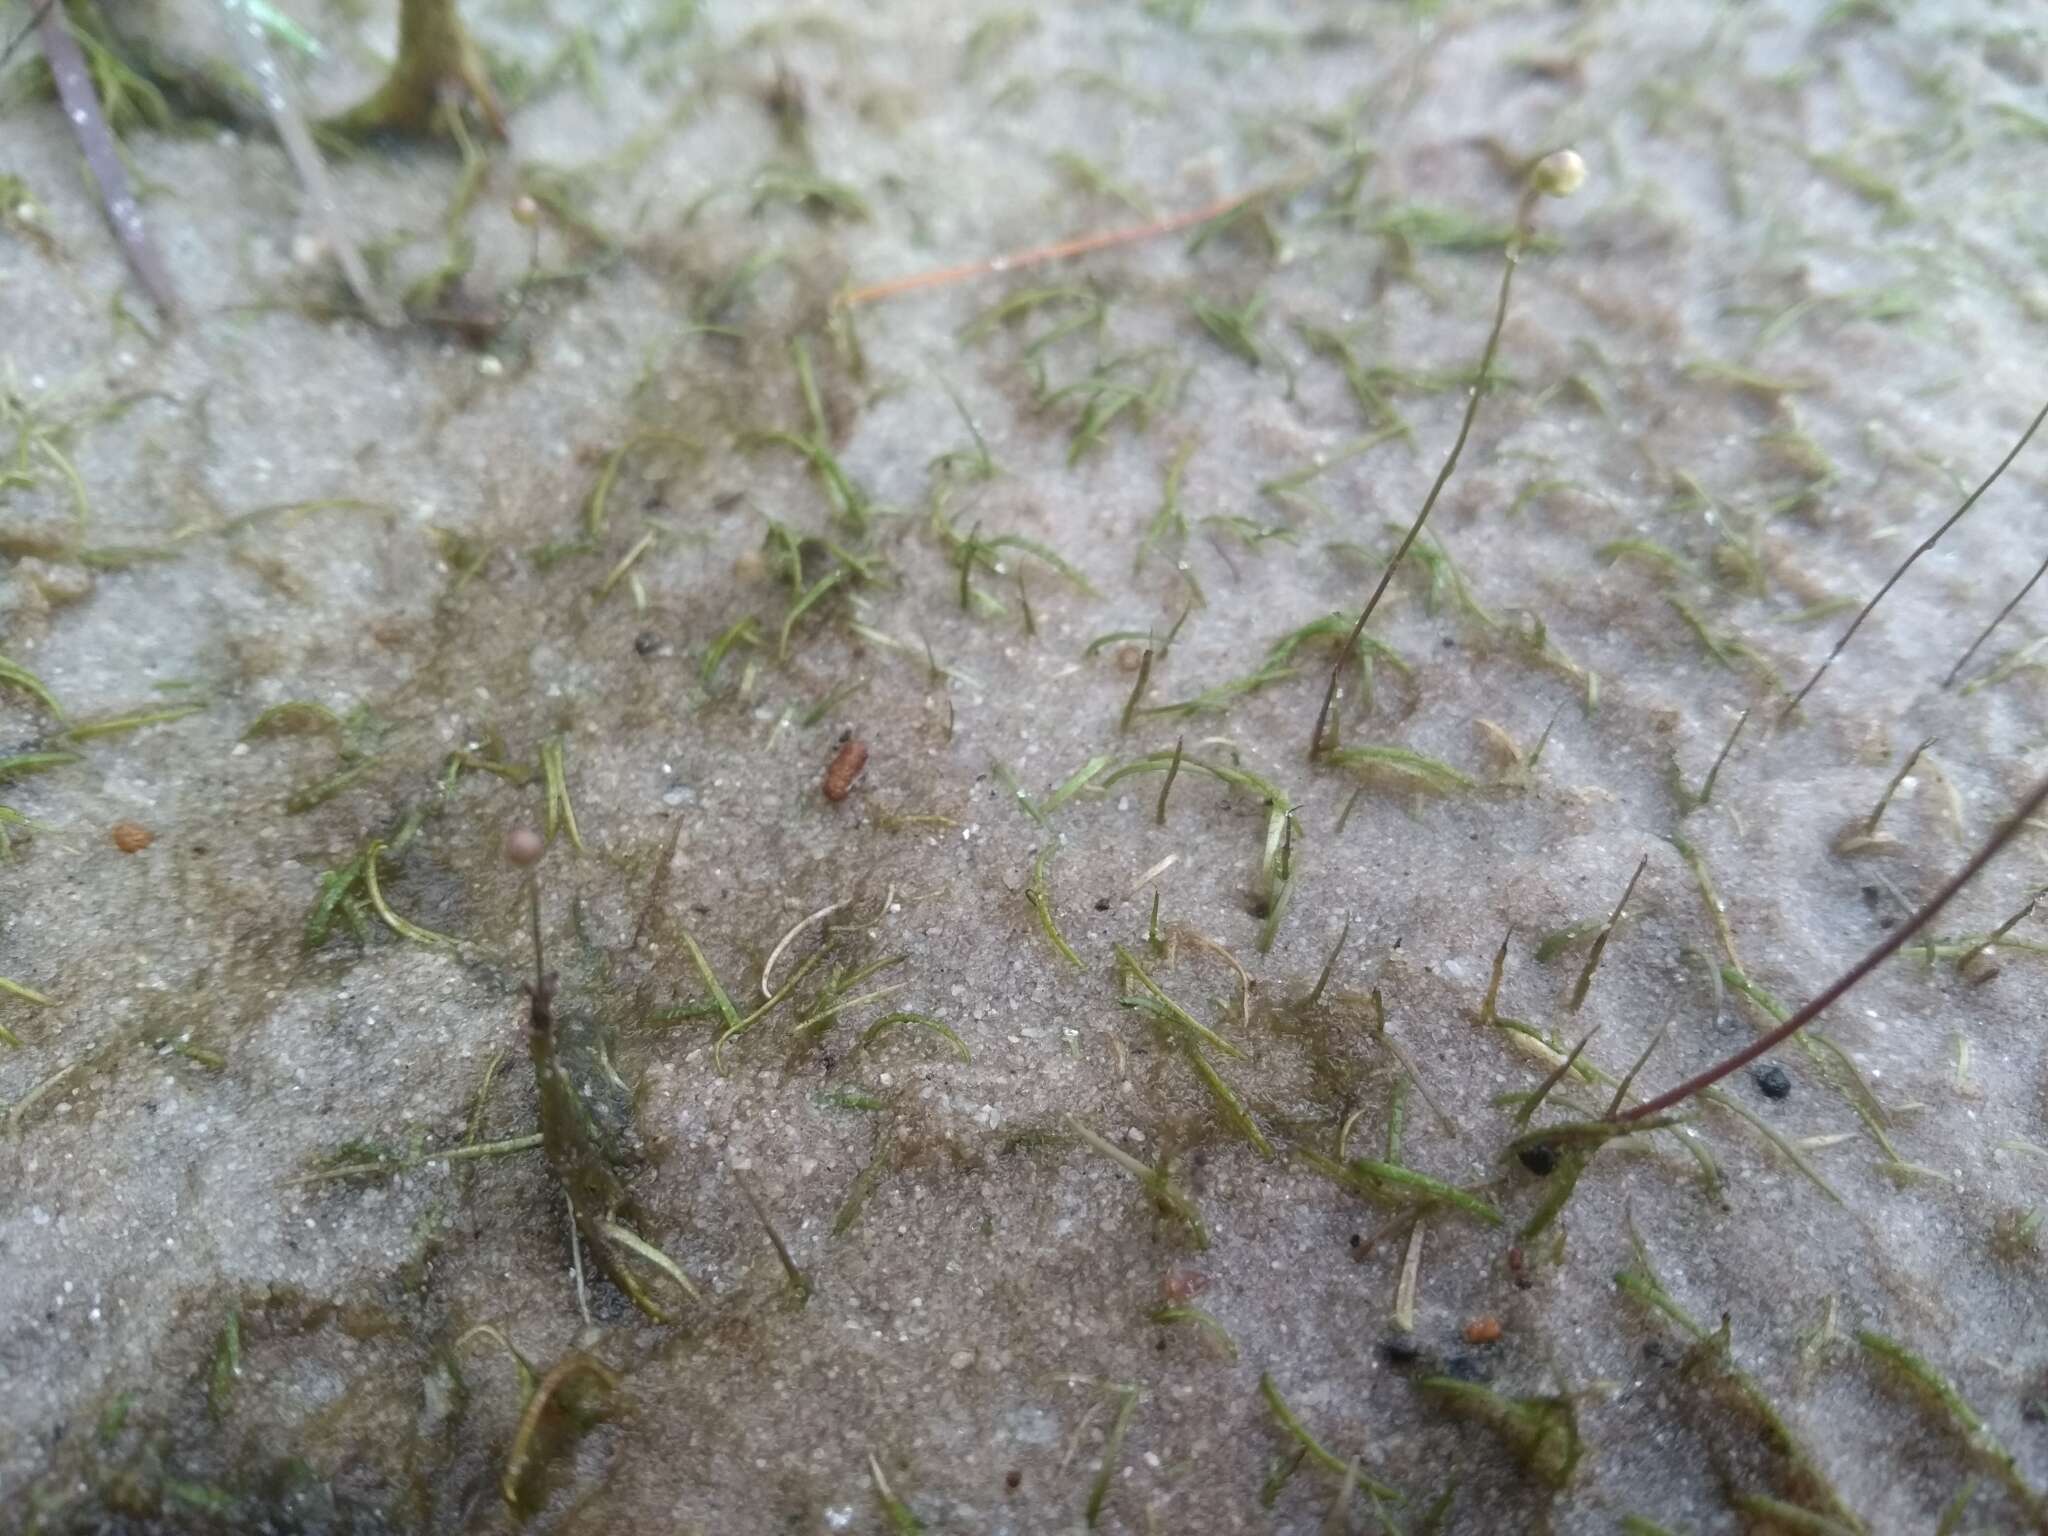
(1317, 743)
(2036, 798)
(1925, 545)
(1058, 251)
(540, 967)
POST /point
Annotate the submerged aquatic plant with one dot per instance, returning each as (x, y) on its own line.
(586, 1124)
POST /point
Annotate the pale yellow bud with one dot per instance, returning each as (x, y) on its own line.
(1559, 173)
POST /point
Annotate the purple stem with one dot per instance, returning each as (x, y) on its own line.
(81, 105)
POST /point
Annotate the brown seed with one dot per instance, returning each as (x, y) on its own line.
(132, 836)
(1482, 1330)
(523, 845)
(846, 766)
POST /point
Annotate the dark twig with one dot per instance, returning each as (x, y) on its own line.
(1172, 772)
(1707, 789)
(1585, 980)
(1137, 694)
(1894, 941)
(2004, 613)
(35, 20)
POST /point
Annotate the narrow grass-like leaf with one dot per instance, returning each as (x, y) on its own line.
(398, 925)
(1314, 1448)
(1964, 1419)
(1112, 1450)
(889, 1021)
(1154, 1179)
(14, 675)
(1403, 768)
(116, 725)
(33, 762)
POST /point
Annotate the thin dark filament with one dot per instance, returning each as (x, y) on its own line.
(2003, 613)
(1317, 743)
(1926, 544)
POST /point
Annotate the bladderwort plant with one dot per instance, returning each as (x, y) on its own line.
(586, 1129)
(1558, 174)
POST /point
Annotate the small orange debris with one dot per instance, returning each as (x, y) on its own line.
(846, 765)
(132, 836)
(1482, 1330)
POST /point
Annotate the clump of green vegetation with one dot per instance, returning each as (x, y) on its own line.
(560, 1406)
(902, 1520)
(1542, 1432)
(1314, 1450)
(1401, 768)
(1138, 385)
(1187, 1035)
(848, 501)
(1231, 328)
(437, 63)
(14, 675)
(1276, 873)
(1390, 1185)
(973, 552)
(1112, 1451)
(1750, 1440)
(1155, 1181)
(346, 888)
(1985, 1446)
(586, 1145)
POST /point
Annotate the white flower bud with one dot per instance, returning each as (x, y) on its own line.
(1559, 173)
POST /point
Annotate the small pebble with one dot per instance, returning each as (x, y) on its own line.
(523, 845)
(1772, 1080)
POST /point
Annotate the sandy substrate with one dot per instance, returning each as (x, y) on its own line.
(1799, 308)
